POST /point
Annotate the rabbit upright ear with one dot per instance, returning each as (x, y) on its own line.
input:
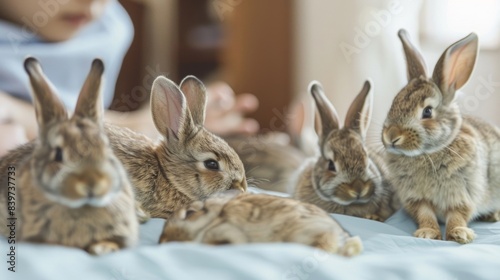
(89, 102)
(196, 96)
(327, 114)
(414, 61)
(360, 112)
(48, 107)
(168, 105)
(455, 66)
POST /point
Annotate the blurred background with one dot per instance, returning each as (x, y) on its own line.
(273, 49)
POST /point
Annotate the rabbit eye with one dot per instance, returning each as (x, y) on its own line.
(211, 164)
(59, 155)
(427, 112)
(331, 166)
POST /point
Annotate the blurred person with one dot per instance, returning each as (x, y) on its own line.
(65, 36)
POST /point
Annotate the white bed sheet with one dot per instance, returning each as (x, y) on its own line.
(391, 252)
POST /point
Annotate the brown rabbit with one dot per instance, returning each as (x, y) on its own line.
(445, 166)
(247, 218)
(347, 178)
(188, 164)
(68, 186)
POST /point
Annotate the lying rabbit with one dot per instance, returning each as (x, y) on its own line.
(347, 178)
(444, 165)
(68, 187)
(248, 218)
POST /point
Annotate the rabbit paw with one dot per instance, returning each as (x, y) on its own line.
(163, 239)
(352, 247)
(103, 247)
(462, 235)
(142, 216)
(428, 233)
(374, 217)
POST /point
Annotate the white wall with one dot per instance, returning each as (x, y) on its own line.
(322, 27)
(325, 32)
(447, 21)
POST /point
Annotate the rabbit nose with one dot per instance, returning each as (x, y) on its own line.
(100, 187)
(92, 189)
(239, 185)
(395, 141)
(86, 185)
(361, 188)
(393, 135)
(357, 185)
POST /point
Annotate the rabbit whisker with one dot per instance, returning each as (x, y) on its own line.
(373, 137)
(432, 163)
(377, 122)
(453, 151)
(379, 149)
(253, 169)
(256, 181)
(373, 140)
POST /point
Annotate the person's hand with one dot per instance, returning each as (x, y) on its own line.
(225, 113)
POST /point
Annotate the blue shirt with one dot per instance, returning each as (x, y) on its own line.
(66, 64)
